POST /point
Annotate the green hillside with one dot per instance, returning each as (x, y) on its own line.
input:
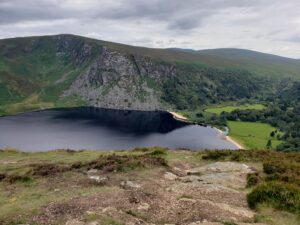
(261, 63)
(69, 71)
(39, 71)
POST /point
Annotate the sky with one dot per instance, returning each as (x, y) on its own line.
(271, 26)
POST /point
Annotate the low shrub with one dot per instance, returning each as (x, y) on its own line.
(229, 223)
(274, 167)
(47, 169)
(144, 149)
(159, 152)
(250, 155)
(13, 178)
(284, 170)
(77, 165)
(253, 179)
(152, 150)
(121, 163)
(280, 195)
(2, 176)
(216, 155)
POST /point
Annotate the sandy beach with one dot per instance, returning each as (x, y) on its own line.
(180, 117)
(228, 138)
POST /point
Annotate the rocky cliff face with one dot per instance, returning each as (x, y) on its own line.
(121, 81)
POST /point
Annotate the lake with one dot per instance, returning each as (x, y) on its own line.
(103, 129)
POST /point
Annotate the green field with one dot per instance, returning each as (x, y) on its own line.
(219, 110)
(253, 135)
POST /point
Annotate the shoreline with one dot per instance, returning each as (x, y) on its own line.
(182, 118)
(228, 138)
(179, 117)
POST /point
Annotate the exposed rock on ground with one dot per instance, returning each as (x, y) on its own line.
(207, 195)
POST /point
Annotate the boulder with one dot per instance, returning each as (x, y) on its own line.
(170, 176)
(74, 222)
(130, 184)
(144, 206)
(220, 167)
(98, 179)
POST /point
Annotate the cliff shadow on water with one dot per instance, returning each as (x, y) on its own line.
(129, 121)
(104, 129)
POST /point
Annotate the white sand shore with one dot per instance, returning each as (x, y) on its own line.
(235, 143)
(180, 117)
(228, 138)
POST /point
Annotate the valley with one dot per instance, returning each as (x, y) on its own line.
(73, 93)
(136, 112)
(71, 71)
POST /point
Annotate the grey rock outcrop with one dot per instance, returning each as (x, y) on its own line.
(121, 81)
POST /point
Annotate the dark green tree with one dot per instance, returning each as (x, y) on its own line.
(269, 144)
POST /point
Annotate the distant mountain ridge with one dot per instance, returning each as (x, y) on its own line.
(68, 70)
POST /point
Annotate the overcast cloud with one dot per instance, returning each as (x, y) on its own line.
(271, 26)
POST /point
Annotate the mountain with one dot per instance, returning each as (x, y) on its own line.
(68, 70)
(256, 61)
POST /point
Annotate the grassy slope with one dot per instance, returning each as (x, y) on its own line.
(253, 135)
(28, 104)
(219, 110)
(261, 63)
(32, 65)
(30, 69)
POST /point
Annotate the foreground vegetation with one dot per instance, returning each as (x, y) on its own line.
(277, 185)
(40, 188)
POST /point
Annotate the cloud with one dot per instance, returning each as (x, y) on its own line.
(294, 38)
(263, 25)
(177, 14)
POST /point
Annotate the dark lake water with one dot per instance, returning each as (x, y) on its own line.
(102, 129)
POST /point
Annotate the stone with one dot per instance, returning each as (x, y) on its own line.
(144, 206)
(93, 223)
(130, 184)
(98, 179)
(92, 171)
(221, 167)
(226, 174)
(170, 176)
(109, 209)
(74, 222)
(188, 200)
(205, 223)
(241, 212)
(110, 75)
